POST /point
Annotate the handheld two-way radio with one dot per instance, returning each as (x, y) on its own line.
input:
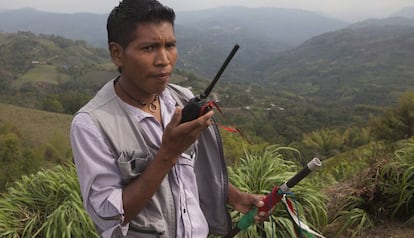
(198, 105)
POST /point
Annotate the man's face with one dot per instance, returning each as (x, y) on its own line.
(148, 61)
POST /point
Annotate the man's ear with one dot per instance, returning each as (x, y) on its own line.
(116, 53)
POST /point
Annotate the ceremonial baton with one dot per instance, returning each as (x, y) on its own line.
(274, 197)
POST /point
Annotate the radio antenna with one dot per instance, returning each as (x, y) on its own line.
(221, 70)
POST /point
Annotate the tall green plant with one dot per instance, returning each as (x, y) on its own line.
(259, 173)
(355, 221)
(384, 190)
(399, 182)
(46, 204)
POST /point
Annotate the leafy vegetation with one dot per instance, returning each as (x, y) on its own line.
(398, 122)
(354, 191)
(383, 190)
(260, 173)
(27, 142)
(45, 204)
(34, 68)
(398, 182)
(34, 126)
(15, 158)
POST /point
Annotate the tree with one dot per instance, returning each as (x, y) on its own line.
(72, 101)
(52, 105)
(324, 142)
(396, 123)
(15, 158)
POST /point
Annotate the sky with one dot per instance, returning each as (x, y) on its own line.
(350, 10)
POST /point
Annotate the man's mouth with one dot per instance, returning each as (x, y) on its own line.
(162, 75)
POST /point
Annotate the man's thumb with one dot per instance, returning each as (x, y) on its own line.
(176, 118)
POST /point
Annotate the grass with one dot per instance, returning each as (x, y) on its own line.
(42, 73)
(259, 173)
(45, 204)
(37, 127)
(383, 192)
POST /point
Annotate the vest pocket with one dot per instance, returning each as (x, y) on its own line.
(132, 163)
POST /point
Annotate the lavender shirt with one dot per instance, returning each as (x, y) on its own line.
(100, 179)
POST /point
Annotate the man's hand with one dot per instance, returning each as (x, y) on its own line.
(244, 202)
(178, 136)
(176, 139)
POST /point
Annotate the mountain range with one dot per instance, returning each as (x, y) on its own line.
(204, 37)
(369, 62)
(284, 52)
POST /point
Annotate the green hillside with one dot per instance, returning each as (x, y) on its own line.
(36, 59)
(30, 140)
(28, 47)
(50, 72)
(368, 63)
(36, 126)
(334, 80)
(354, 193)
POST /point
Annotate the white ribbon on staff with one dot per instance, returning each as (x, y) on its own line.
(295, 218)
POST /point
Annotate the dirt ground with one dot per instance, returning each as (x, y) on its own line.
(393, 230)
(385, 231)
(390, 231)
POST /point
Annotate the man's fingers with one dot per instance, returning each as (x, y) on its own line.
(201, 122)
(260, 203)
(261, 217)
(176, 118)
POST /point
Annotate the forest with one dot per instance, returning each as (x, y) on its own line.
(364, 142)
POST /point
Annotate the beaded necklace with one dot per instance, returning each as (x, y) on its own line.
(151, 105)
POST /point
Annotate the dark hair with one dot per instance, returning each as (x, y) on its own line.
(124, 18)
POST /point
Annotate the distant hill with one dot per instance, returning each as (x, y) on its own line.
(279, 25)
(27, 57)
(204, 37)
(50, 72)
(88, 27)
(331, 79)
(370, 62)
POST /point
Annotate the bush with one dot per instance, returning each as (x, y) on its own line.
(15, 158)
(383, 191)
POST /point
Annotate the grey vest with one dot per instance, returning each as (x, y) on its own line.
(125, 138)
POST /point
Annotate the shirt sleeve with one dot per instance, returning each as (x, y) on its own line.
(98, 174)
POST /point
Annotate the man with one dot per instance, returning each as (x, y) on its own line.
(143, 173)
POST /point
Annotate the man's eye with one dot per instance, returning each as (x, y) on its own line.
(148, 48)
(170, 45)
